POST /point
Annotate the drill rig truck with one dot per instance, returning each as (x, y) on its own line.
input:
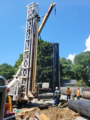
(23, 87)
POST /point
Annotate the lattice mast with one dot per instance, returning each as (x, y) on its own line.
(24, 82)
(30, 52)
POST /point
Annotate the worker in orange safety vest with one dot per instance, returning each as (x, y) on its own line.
(78, 93)
(68, 93)
(8, 105)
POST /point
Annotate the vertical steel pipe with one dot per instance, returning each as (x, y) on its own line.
(56, 66)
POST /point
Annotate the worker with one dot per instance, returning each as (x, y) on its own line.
(78, 93)
(57, 96)
(8, 105)
(68, 93)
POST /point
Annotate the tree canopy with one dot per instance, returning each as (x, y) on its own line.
(79, 69)
(80, 83)
(45, 61)
(65, 68)
(81, 66)
(7, 71)
(19, 61)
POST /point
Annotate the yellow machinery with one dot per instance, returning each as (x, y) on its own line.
(46, 17)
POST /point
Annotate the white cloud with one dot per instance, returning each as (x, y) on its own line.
(87, 43)
(23, 27)
(71, 57)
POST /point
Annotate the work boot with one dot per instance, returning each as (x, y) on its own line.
(53, 106)
(59, 105)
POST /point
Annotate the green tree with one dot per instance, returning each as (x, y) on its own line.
(45, 61)
(81, 66)
(7, 71)
(80, 83)
(19, 61)
(65, 68)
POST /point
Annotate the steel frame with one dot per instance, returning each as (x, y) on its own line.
(27, 68)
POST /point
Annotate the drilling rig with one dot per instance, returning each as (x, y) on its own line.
(23, 86)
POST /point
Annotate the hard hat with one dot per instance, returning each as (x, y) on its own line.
(68, 86)
(8, 89)
(56, 88)
(78, 88)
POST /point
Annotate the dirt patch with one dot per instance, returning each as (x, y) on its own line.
(54, 113)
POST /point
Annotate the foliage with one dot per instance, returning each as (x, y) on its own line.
(65, 68)
(79, 70)
(80, 83)
(19, 61)
(7, 71)
(45, 61)
(81, 66)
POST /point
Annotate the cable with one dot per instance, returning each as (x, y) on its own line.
(55, 27)
(57, 31)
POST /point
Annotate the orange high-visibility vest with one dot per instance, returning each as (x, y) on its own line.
(78, 93)
(69, 91)
(8, 106)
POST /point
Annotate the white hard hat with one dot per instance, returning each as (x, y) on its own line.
(56, 88)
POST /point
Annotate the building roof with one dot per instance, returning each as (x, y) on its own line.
(69, 81)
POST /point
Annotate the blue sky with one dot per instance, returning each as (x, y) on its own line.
(71, 27)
